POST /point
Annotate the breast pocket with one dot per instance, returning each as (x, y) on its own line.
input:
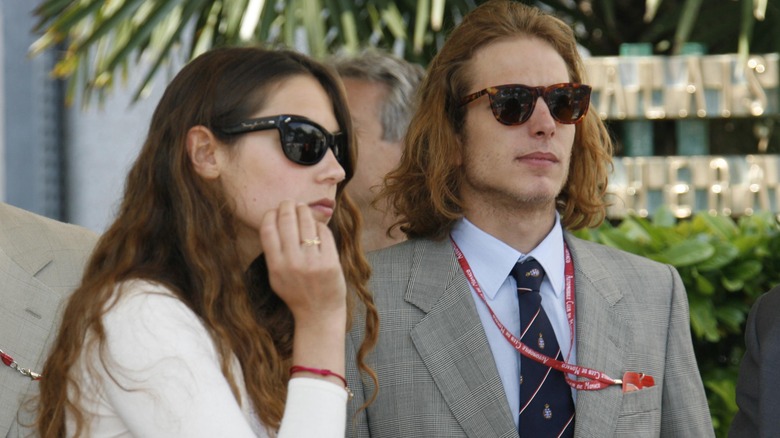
(640, 413)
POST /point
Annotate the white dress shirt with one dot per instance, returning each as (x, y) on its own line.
(491, 261)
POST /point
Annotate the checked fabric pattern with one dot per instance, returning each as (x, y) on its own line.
(546, 405)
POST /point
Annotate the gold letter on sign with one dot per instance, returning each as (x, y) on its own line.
(758, 104)
(685, 86)
(679, 195)
(686, 83)
(717, 76)
(719, 196)
(755, 189)
(611, 88)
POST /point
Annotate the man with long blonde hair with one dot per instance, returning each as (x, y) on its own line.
(495, 320)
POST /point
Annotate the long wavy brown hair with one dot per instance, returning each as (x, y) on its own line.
(177, 229)
(425, 188)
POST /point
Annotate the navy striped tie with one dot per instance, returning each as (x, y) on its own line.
(546, 405)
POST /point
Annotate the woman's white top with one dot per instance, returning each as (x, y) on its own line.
(162, 378)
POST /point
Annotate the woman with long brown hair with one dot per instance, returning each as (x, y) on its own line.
(217, 302)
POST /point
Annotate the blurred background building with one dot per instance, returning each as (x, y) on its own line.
(64, 162)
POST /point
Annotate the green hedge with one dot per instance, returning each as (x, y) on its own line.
(725, 265)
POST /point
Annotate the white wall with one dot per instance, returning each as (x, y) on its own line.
(100, 141)
(103, 142)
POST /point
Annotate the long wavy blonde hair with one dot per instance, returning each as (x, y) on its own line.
(177, 229)
(425, 188)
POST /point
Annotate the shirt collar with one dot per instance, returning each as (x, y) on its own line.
(492, 260)
(550, 254)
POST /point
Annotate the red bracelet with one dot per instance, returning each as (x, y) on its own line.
(298, 368)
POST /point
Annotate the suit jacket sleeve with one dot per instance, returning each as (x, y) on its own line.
(685, 410)
(633, 316)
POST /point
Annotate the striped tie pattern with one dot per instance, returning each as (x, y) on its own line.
(546, 405)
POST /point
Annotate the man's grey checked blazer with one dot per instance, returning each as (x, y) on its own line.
(41, 262)
(437, 377)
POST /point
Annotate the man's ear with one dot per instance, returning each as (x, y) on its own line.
(202, 148)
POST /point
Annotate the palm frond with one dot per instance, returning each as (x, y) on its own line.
(106, 38)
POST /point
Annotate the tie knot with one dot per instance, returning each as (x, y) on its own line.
(528, 275)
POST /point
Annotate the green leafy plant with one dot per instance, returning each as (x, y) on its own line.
(725, 265)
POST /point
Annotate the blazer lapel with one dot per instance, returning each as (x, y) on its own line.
(452, 343)
(23, 245)
(600, 338)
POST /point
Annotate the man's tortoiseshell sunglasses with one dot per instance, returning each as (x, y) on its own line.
(513, 104)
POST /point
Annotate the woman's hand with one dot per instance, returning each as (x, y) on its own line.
(303, 265)
(305, 271)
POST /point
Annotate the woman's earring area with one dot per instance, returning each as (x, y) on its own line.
(202, 150)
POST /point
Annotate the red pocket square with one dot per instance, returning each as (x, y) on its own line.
(635, 381)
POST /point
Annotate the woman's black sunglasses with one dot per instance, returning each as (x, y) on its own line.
(513, 104)
(303, 141)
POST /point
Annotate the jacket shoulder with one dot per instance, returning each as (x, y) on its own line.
(596, 262)
(26, 228)
(613, 255)
(394, 263)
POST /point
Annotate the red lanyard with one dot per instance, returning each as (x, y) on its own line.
(597, 379)
(11, 363)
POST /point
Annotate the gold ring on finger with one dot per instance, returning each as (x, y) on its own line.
(311, 242)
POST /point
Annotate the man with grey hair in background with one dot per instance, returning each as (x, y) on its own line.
(381, 92)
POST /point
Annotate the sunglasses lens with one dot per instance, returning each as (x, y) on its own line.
(304, 143)
(568, 104)
(339, 148)
(512, 105)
